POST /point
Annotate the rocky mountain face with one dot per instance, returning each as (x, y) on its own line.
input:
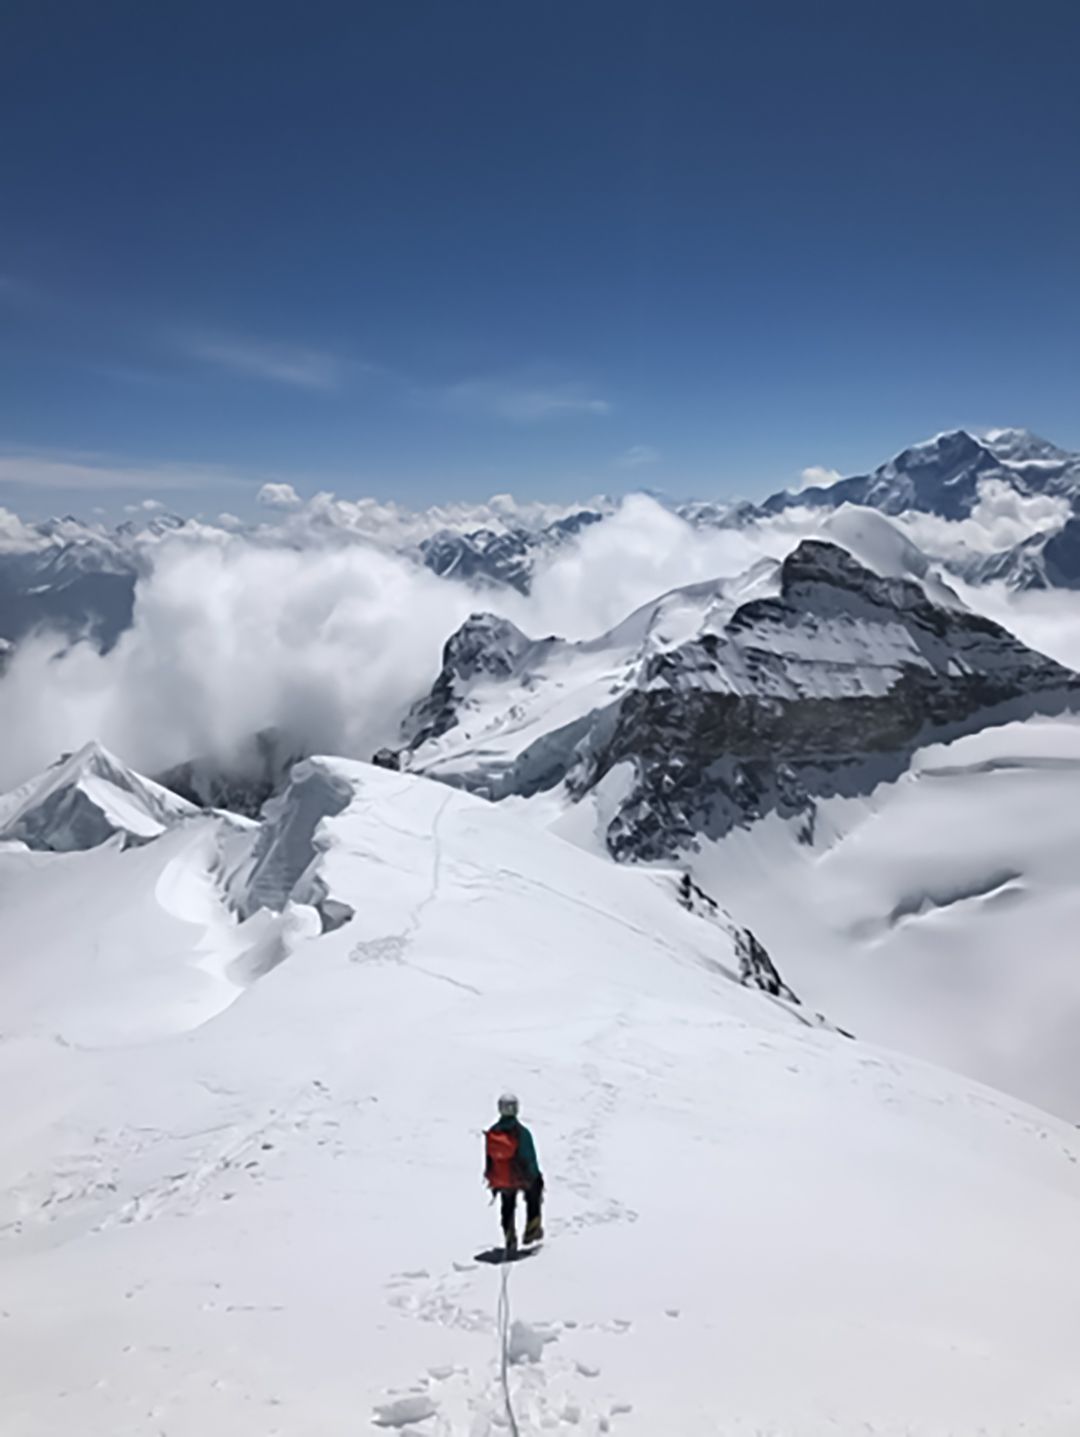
(242, 783)
(486, 646)
(708, 713)
(1045, 561)
(72, 580)
(500, 557)
(756, 967)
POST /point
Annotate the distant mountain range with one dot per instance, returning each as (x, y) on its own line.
(945, 476)
(80, 578)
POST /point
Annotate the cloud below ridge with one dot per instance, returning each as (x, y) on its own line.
(312, 626)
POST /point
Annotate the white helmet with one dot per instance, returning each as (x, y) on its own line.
(508, 1105)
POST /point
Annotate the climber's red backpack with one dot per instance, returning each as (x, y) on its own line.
(502, 1151)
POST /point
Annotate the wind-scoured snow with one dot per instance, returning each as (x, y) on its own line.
(266, 1224)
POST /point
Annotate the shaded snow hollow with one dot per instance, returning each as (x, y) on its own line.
(266, 1225)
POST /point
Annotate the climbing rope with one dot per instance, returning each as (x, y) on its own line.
(502, 1322)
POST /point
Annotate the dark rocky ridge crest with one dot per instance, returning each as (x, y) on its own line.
(706, 760)
(486, 644)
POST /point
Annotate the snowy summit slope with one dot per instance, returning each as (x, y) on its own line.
(265, 1227)
(938, 913)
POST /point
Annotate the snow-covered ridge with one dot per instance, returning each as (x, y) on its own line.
(715, 1168)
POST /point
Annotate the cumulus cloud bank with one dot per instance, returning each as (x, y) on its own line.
(228, 639)
(328, 643)
(313, 627)
(1001, 518)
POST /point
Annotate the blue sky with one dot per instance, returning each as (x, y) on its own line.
(435, 251)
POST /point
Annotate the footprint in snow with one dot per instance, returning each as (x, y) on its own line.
(402, 1412)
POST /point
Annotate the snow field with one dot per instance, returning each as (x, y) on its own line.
(265, 1226)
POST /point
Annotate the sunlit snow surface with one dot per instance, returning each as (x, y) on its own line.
(264, 1226)
(939, 913)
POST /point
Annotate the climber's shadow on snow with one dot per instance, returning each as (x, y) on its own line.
(500, 1254)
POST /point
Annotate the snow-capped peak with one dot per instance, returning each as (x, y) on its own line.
(1021, 446)
(85, 799)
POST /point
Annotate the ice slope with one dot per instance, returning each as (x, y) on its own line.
(264, 1227)
(939, 913)
(85, 799)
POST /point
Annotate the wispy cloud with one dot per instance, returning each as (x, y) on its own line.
(522, 402)
(637, 456)
(288, 364)
(145, 506)
(94, 472)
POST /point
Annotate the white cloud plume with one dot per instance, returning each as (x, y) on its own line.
(1046, 620)
(279, 496)
(17, 537)
(146, 506)
(641, 551)
(229, 638)
(1001, 518)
